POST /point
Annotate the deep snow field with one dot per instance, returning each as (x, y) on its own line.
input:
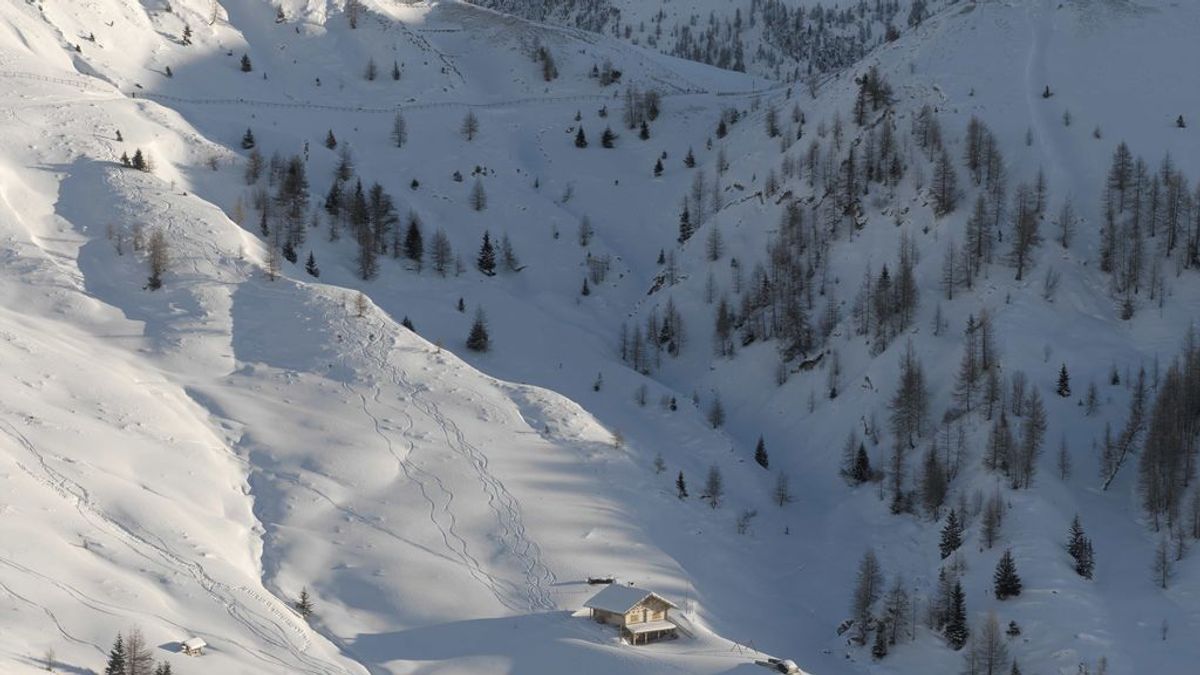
(186, 460)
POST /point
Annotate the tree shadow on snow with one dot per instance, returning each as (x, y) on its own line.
(59, 666)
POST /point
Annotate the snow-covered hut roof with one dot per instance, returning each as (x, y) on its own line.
(620, 599)
(194, 643)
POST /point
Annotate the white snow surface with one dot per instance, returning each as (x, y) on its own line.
(186, 460)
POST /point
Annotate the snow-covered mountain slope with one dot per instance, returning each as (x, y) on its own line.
(186, 460)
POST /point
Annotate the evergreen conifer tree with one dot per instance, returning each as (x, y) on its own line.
(951, 535)
(1006, 581)
(681, 487)
(1079, 546)
(248, 140)
(414, 241)
(1064, 382)
(478, 339)
(956, 630)
(310, 266)
(658, 168)
(246, 67)
(760, 454)
(486, 261)
(861, 472)
(330, 140)
(685, 225)
(580, 139)
(116, 658)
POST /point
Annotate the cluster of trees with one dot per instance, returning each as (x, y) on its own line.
(874, 93)
(664, 331)
(793, 42)
(153, 246)
(985, 649)
(977, 384)
(879, 608)
(1016, 455)
(1146, 214)
(809, 39)
(131, 655)
(1079, 547)
(641, 107)
(714, 487)
(887, 303)
(280, 192)
(990, 210)
(139, 161)
(371, 72)
(1171, 441)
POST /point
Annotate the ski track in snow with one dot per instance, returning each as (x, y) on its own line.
(442, 517)
(1063, 160)
(51, 615)
(512, 533)
(268, 623)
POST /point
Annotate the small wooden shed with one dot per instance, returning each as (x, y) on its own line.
(193, 646)
(640, 616)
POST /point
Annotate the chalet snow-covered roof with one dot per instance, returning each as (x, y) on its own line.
(620, 599)
(194, 643)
